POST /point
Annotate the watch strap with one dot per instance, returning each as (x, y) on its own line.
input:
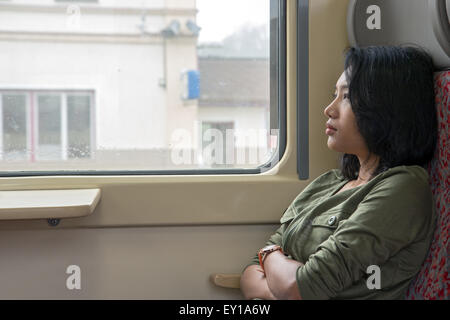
(262, 254)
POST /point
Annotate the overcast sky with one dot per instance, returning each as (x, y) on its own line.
(220, 18)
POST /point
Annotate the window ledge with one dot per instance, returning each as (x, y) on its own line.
(45, 204)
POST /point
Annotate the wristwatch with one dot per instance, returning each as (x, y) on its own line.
(262, 254)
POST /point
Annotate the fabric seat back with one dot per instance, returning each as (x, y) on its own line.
(433, 281)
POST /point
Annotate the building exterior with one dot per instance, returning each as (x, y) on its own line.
(112, 61)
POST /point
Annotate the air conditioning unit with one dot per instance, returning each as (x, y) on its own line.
(190, 81)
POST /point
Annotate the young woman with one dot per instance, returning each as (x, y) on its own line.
(363, 231)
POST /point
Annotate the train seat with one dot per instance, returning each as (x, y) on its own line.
(432, 281)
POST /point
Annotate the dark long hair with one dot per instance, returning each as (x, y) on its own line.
(391, 91)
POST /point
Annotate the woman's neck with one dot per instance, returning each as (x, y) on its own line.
(367, 168)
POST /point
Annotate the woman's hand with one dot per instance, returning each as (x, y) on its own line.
(281, 275)
(254, 284)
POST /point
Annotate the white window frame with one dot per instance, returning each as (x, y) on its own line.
(32, 109)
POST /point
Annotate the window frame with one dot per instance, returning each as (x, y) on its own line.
(303, 89)
(278, 109)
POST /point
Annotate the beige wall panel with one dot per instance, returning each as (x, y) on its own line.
(126, 263)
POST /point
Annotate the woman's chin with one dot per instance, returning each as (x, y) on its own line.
(330, 144)
(333, 146)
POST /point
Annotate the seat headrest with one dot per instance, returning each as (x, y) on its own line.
(425, 23)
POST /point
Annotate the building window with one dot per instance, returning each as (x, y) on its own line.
(46, 126)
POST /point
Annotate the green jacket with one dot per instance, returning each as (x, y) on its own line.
(387, 222)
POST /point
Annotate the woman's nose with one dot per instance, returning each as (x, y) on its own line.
(329, 111)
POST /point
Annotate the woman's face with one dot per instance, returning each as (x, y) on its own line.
(345, 136)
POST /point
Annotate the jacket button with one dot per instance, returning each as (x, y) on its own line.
(332, 220)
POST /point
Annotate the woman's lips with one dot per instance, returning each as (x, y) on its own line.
(330, 130)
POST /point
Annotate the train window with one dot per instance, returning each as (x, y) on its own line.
(141, 87)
